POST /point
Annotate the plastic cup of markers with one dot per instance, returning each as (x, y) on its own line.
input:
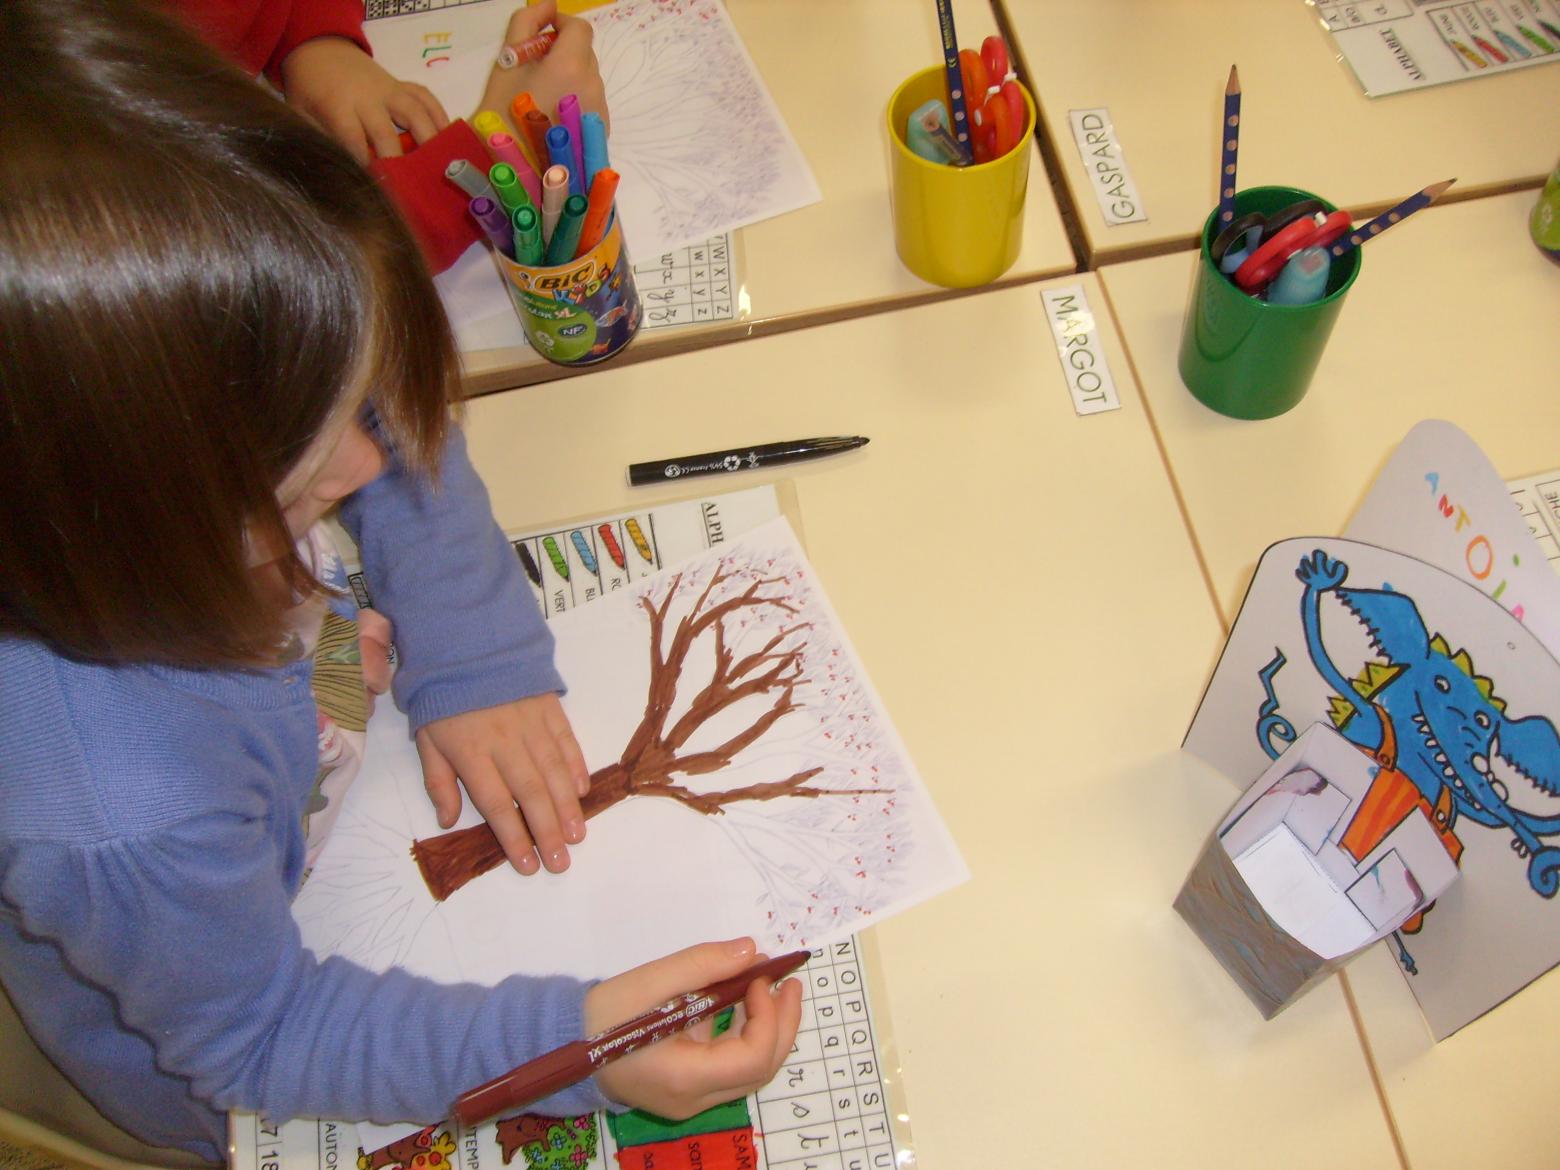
(579, 313)
(1244, 357)
(955, 226)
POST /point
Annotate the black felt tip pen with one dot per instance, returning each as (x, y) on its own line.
(740, 459)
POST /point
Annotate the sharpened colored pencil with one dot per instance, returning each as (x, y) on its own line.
(1229, 137)
(1387, 218)
(957, 108)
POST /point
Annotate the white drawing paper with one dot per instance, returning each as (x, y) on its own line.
(1440, 500)
(816, 827)
(1436, 684)
(1293, 838)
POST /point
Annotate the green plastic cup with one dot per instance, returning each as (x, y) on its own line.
(1246, 358)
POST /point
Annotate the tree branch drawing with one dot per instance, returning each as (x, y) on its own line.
(754, 686)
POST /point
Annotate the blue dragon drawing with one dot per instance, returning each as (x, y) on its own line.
(1444, 721)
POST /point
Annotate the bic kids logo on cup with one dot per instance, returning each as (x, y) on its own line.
(581, 312)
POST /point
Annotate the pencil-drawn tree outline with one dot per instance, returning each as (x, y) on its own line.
(359, 902)
(673, 85)
(769, 695)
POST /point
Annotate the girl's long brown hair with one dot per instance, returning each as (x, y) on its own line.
(191, 280)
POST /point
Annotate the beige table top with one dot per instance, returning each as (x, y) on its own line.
(1452, 317)
(831, 68)
(1160, 69)
(987, 553)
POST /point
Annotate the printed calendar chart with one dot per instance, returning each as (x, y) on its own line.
(827, 1110)
(1538, 499)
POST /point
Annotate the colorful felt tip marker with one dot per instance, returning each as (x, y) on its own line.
(528, 236)
(1381, 223)
(510, 192)
(469, 179)
(506, 150)
(535, 129)
(527, 51)
(566, 236)
(560, 152)
(598, 210)
(555, 189)
(486, 123)
(494, 223)
(574, 1062)
(594, 131)
(569, 119)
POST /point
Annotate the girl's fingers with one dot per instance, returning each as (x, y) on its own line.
(439, 780)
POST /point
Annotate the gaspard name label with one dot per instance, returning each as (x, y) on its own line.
(1107, 169)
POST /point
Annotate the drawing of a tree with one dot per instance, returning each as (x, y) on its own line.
(745, 627)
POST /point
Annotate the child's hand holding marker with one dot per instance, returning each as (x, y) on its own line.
(568, 66)
(688, 1073)
(524, 197)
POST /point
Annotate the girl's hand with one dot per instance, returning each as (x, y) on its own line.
(351, 97)
(521, 753)
(691, 1072)
(374, 638)
(569, 67)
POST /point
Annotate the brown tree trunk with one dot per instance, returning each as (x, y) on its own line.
(650, 757)
(452, 859)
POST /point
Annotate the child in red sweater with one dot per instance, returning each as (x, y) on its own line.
(314, 51)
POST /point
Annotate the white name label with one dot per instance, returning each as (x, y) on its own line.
(1078, 348)
(1106, 168)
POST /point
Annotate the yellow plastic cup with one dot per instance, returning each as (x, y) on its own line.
(955, 226)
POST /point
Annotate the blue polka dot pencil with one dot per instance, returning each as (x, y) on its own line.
(956, 104)
(1387, 218)
(1229, 146)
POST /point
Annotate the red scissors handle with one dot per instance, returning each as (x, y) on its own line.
(994, 54)
(1332, 227)
(1264, 264)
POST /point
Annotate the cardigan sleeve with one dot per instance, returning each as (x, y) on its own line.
(188, 930)
(468, 631)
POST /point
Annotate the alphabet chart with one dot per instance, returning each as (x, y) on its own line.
(1538, 499)
(688, 286)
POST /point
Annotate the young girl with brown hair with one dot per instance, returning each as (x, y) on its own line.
(213, 329)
